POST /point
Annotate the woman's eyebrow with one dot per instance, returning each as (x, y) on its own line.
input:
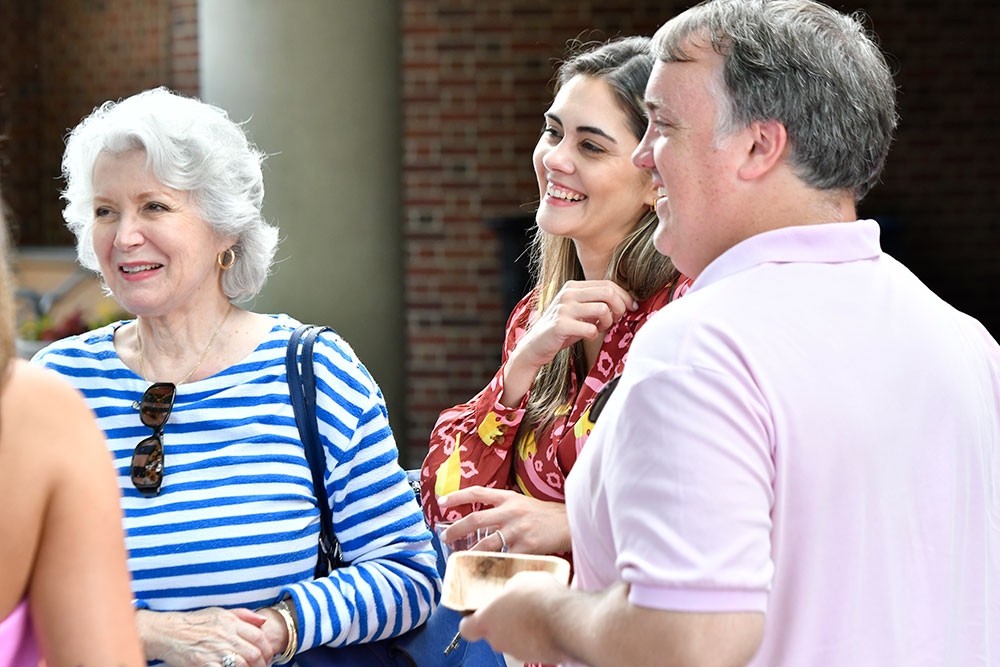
(146, 194)
(596, 130)
(584, 128)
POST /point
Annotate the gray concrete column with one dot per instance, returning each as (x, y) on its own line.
(319, 82)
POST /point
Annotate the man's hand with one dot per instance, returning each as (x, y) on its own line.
(517, 622)
(537, 619)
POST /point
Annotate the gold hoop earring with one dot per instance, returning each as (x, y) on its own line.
(652, 207)
(225, 266)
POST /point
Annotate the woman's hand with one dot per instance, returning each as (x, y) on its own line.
(582, 310)
(274, 629)
(204, 637)
(528, 525)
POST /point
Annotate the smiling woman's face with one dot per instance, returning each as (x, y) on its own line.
(156, 252)
(590, 191)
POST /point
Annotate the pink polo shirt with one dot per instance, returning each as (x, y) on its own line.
(810, 432)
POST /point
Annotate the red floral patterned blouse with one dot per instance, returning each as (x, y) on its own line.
(472, 444)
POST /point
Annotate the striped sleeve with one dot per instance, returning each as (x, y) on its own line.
(391, 582)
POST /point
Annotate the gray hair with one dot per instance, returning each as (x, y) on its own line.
(191, 146)
(807, 66)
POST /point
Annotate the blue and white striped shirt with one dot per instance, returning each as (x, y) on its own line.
(236, 521)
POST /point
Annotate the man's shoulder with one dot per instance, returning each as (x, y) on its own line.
(715, 305)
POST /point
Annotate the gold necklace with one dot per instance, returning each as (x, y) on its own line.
(142, 365)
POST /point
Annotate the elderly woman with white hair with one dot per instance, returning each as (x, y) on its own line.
(164, 196)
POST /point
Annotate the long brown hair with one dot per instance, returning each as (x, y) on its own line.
(623, 64)
(6, 301)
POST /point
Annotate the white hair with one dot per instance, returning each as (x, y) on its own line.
(191, 146)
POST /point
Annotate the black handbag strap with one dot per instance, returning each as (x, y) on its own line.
(302, 389)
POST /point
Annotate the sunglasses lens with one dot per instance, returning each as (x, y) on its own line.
(156, 404)
(147, 466)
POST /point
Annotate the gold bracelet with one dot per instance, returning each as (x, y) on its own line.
(293, 632)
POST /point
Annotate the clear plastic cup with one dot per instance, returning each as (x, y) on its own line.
(462, 543)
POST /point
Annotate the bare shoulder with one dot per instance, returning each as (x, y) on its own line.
(38, 406)
(29, 387)
(44, 423)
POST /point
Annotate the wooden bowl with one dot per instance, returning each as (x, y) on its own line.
(474, 578)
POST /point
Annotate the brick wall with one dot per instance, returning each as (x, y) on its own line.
(476, 81)
(60, 59)
(21, 108)
(940, 191)
(183, 46)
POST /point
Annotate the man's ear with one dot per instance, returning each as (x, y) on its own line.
(767, 150)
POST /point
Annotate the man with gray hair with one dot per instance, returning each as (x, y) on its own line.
(801, 462)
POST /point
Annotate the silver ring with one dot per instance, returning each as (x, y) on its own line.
(229, 660)
(503, 547)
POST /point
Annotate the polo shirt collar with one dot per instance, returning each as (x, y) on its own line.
(829, 243)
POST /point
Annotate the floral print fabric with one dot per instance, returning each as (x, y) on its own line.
(478, 443)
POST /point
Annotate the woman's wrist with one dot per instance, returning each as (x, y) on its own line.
(561, 532)
(517, 380)
(285, 610)
(150, 636)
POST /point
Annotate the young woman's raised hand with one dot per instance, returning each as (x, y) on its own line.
(582, 310)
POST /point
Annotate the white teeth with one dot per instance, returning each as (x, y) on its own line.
(560, 193)
(661, 192)
(140, 267)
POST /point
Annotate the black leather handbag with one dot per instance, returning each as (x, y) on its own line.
(423, 646)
